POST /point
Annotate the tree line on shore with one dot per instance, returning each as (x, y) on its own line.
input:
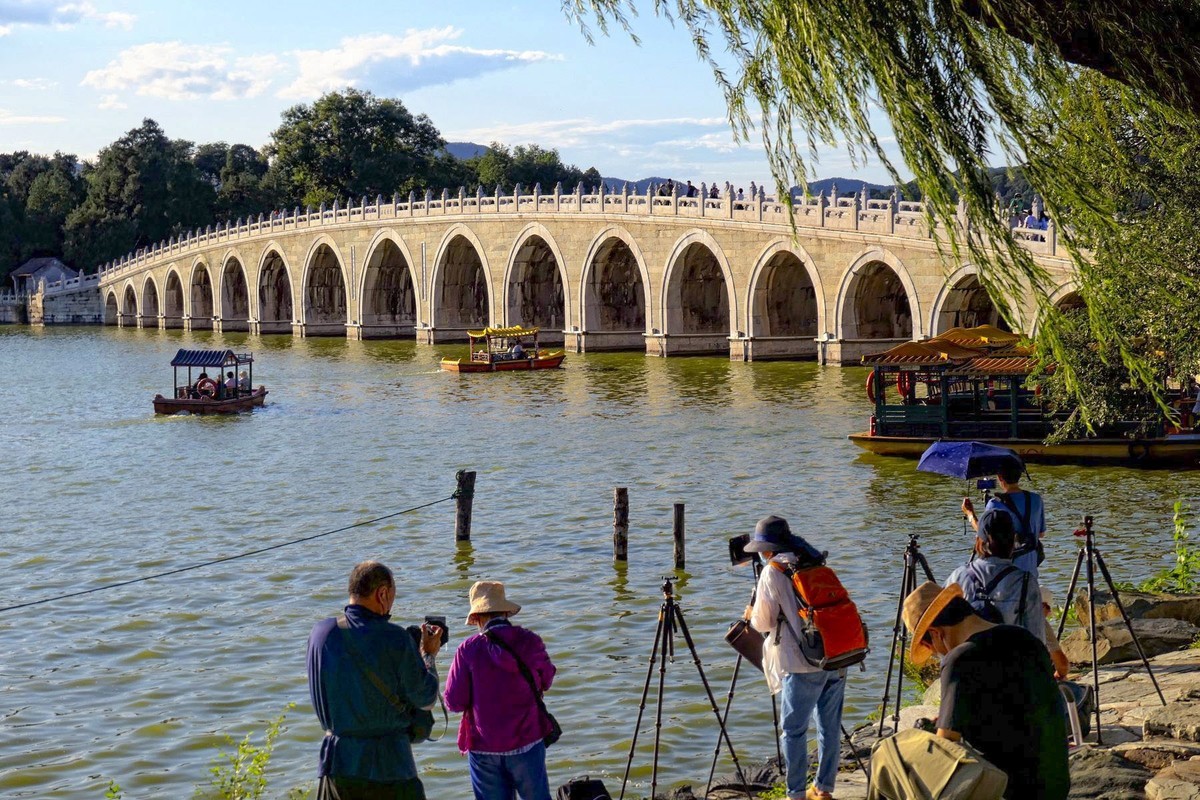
(146, 186)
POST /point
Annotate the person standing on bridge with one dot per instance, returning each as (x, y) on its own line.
(368, 680)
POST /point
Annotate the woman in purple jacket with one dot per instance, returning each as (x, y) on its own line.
(502, 728)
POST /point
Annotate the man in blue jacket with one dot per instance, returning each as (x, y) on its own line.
(367, 679)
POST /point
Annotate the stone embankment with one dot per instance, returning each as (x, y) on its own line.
(1148, 752)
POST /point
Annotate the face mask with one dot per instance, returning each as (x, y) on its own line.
(763, 558)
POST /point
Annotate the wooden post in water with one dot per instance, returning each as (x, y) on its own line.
(620, 524)
(463, 495)
(677, 535)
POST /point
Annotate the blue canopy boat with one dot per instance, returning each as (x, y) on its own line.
(210, 395)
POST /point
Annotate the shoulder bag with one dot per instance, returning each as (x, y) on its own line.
(555, 729)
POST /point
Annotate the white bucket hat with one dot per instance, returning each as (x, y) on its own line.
(487, 597)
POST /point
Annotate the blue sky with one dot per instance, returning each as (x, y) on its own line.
(76, 74)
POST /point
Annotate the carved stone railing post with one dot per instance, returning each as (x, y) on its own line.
(445, 199)
(497, 198)
(625, 197)
(478, 198)
(822, 205)
(729, 195)
(1051, 238)
(558, 196)
(579, 197)
(893, 209)
(462, 199)
(649, 198)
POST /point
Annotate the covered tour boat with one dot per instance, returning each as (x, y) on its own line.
(221, 394)
(502, 349)
(969, 384)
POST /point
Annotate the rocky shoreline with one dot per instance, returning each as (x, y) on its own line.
(1149, 751)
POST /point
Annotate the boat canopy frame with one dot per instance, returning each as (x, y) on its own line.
(212, 359)
(498, 343)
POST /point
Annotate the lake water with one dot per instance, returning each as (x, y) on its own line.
(141, 684)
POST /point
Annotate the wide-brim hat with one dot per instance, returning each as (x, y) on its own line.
(487, 597)
(921, 608)
(772, 535)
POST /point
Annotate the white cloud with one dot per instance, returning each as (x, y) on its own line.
(581, 131)
(8, 118)
(31, 13)
(178, 71)
(396, 64)
(32, 84)
(111, 102)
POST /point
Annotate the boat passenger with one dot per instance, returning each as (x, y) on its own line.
(231, 384)
(518, 351)
(243, 382)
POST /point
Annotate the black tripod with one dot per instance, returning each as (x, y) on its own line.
(737, 666)
(670, 616)
(1089, 554)
(912, 557)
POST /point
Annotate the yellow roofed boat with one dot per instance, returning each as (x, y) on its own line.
(504, 349)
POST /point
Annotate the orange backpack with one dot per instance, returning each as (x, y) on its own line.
(833, 635)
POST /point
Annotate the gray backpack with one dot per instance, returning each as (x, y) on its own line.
(998, 600)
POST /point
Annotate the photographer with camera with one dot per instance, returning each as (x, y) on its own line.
(807, 691)
(1025, 508)
(372, 685)
(496, 681)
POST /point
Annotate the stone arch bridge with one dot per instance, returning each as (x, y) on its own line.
(603, 271)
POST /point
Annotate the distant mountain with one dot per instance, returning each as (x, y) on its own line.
(845, 186)
(465, 150)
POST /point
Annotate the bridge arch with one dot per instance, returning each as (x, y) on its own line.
(461, 296)
(325, 310)
(112, 310)
(1067, 297)
(962, 302)
(173, 302)
(699, 296)
(129, 305)
(877, 299)
(200, 289)
(388, 291)
(536, 286)
(150, 304)
(234, 293)
(613, 291)
(785, 296)
(276, 295)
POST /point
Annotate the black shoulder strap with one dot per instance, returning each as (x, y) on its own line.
(1024, 592)
(1026, 516)
(378, 682)
(503, 645)
(1001, 575)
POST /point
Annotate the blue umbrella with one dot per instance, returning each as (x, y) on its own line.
(966, 459)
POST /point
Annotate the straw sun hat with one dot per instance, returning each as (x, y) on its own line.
(921, 608)
(487, 597)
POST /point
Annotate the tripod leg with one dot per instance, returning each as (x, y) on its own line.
(642, 707)
(896, 628)
(1091, 590)
(925, 566)
(775, 721)
(854, 752)
(1128, 625)
(1062, 622)
(667, 646)
(724, 719)
(687, 637)
(910, 584)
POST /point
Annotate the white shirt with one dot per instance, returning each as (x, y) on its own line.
(781, 652)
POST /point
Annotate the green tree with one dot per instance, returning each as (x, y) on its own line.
(353, 144)
(143, 188)
(53, 195)
(526, 165)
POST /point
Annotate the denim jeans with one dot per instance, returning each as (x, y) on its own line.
(506, 777)
(811, 695)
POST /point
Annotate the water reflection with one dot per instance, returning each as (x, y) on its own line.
(616, 379)
(698, 381)
(784, 382)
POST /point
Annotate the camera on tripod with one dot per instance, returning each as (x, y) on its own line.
(737, 550)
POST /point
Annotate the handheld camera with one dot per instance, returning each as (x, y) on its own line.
(985, 484)
(737, 550)
(439, 622)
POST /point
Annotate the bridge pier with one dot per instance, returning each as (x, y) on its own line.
(232, 325)
(260, 327)
(687, 344)
(772, 348)
(849, 352)
(197, 323)
(370, 331)
(431, 335)
(170, 323)
(306, 330)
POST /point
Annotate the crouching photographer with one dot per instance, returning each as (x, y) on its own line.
(813, 633)
(372, 686)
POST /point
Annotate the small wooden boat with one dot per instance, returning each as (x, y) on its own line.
(210, 395)
(969, 384)
(504, 349)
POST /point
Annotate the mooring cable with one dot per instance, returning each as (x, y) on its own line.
(223, 559)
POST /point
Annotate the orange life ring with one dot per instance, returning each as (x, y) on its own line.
(207, 388)
(871, 386)
(904, 383)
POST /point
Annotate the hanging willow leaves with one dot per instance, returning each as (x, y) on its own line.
(963, 84)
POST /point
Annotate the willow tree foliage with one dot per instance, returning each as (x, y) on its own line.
(963, 84)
